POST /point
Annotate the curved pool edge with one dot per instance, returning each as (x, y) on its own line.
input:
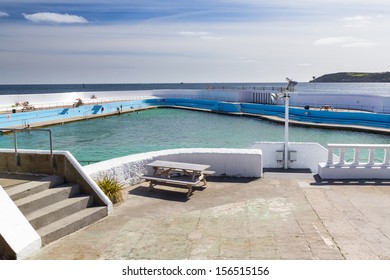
(356, 121)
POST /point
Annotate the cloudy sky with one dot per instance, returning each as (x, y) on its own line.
(153, 41)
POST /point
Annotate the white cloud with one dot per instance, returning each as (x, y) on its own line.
(54, 18)
(246, 59)
(3, 14)
(345, 42)
(358, 21)
(360, 44)
(194, 33)
(199, 34)
(334, 40)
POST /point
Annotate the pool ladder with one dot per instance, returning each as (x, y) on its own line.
(25, 123)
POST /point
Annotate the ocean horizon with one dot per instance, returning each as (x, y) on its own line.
(304, 87)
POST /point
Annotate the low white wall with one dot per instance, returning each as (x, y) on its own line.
(70, 97)
(308, 154)
(374, 103)
(89, 180)
(16, 231)
(356, 172)
(225, 162)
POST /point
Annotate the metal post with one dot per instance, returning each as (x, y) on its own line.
(286, 117)
(15, 130)
(16, 148)
(51, 149)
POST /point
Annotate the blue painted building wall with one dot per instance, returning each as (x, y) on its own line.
(298, 114)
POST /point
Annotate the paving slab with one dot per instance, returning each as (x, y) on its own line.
(280, 216)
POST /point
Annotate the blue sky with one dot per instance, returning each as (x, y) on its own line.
(153, 41)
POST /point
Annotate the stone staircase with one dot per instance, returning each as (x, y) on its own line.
(55, 208)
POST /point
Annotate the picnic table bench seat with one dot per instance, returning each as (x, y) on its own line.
(172, 180)
(189, 174)
(208, 172)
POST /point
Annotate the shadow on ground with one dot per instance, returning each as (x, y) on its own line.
(178, 194)
(354, 182)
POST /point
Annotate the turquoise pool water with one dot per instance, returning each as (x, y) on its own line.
(105, 138)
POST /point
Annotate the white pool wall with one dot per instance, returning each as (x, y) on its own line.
(375, 103)
(367, 102)
(225, 162)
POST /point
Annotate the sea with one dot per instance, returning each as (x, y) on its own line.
(304, 87)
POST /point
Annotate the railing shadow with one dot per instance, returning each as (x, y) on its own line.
(349, 182)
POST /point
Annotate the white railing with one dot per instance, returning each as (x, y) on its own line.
(91, 102)
(86, 101)
(357, 161)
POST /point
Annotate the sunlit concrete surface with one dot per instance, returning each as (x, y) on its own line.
(280, 216)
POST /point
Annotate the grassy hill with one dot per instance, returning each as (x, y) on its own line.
(354, 77)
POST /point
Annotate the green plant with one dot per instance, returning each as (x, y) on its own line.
(111, 188)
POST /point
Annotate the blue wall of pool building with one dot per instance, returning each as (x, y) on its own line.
(353, 118)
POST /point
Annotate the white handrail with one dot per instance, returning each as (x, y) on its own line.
(357, 148)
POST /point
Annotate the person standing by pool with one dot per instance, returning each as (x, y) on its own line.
(102, 109)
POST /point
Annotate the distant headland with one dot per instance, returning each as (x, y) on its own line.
(354, 77)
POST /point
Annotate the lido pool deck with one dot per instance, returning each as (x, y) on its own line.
(280, 216)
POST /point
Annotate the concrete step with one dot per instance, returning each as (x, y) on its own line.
(44, 198)
(54, 212)
(23, 190)
(71, 223)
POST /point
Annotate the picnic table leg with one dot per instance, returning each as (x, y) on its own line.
(189, 191)
(151, 186)
(202, 178)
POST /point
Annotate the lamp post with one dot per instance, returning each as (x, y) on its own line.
(286, 119)
(290, 88)
(286, 95)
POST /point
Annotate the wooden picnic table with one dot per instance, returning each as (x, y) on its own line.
(171, 173)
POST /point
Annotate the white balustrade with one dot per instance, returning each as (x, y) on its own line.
(357, 148)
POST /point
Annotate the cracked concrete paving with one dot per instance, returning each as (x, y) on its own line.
(280, 216)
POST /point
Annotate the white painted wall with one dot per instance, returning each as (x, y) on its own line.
(351, 101)
(367, 102)
(89, 180)
(308, 154)
(20, 236)
(70, 97)
(225, 162)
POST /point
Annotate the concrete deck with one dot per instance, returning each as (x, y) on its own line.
(281, 216)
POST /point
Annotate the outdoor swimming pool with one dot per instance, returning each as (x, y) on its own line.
(157, 129)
